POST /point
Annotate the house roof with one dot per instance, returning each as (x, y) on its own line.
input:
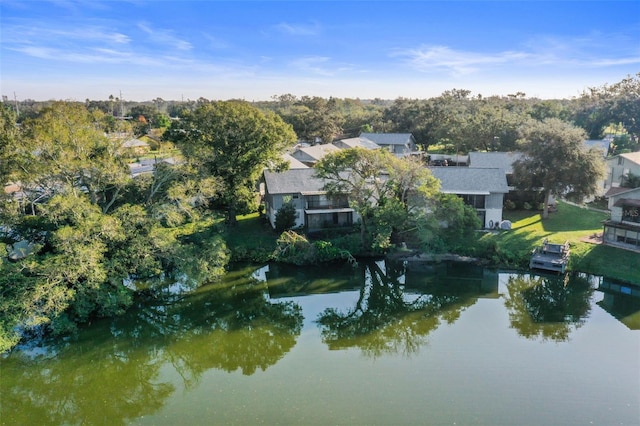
(359, 143)
(294, 163)
(293, 181)
(494, 160)
(470, 180)
(614, 190)
(315, 152)
(632, 156)
(148, 165)
(11, 188)
(134, 143)
(627, 193)
(389, 138)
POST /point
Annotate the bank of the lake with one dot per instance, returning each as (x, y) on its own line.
(254, 240)
(571, 223)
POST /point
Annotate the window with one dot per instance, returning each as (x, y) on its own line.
(631, 214)
(323, 202)
(475, 201)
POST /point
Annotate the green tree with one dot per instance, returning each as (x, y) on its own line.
(556, 162)
(285, 217)
(619, 103)
(447, 226)
(313, 117)
(15, 292)
(630, 181)
(382, 188)
(73, 278)
(65, 147)
(9, 138)
(622, 144)
(234, 141)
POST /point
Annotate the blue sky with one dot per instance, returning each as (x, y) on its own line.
(364, 49)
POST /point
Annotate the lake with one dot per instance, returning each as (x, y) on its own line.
(381, 343)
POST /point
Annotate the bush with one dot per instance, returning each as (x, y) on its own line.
(509, 205)
(351, 243)
(285, 217)
(295, 248)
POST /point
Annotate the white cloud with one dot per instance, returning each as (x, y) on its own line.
(87, 56)
(298, 29)
(546, 52)
(165, 37)
(215, 42)
(458, 62)
(314, 64)
(36, 33)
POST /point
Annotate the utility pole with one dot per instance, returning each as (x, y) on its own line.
(15, 100)
(121, 106)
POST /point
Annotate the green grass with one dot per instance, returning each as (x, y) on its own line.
(252, 239)
(568, 223)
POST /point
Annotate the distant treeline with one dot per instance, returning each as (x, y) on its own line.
(455, 121)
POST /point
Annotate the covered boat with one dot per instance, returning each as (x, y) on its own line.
(550, 257)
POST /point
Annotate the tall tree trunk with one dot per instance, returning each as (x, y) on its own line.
(107, 206)
(545, 209)
(231, 216)
(363, 234)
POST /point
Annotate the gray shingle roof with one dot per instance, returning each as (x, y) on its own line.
(293, 181)
(469, 180)
(494, 160)
(293, 162)
(314, 153)
(388, 138)
(358, 142)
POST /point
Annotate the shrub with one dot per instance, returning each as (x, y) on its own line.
(285, 217)
(295, 248)
(509, 205)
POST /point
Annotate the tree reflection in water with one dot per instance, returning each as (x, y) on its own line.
(387, 319)
(548, 308)
(111, 373)
(105, 384)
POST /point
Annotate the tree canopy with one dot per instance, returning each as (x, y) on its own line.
(383, 189)
(65, 147)
(233, 141)
(556, 162)
(88, 224)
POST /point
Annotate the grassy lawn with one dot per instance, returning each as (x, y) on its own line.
(571, 224)
(253, 239)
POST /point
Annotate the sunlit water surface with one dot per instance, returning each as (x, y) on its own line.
(376, 344)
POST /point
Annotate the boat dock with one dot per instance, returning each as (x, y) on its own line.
(550, 257)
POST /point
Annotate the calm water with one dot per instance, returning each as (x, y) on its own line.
(451, 344)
